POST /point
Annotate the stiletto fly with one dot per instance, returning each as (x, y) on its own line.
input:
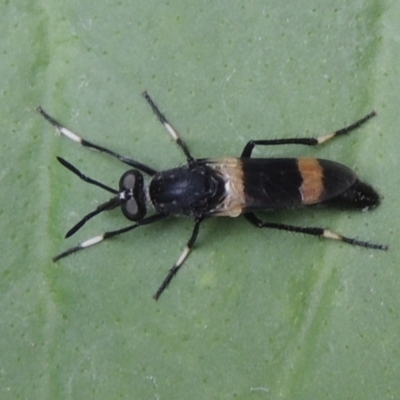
(228, 186)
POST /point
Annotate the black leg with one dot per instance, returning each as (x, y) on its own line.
(320, 232)
(173, 271)
(248, 149)
(168, 127)
(73, 136)
(108, 235)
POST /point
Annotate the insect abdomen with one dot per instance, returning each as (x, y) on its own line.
(359, 196)
(290, 182)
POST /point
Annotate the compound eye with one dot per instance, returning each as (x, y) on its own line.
(134, 208)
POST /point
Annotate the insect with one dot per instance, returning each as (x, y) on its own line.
(228, 186)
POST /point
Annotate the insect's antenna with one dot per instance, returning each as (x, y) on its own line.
(108, 205)
(85, 178)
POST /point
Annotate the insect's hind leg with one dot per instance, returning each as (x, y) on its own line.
(248, 149)
(76, 138)
(168, 127)
(320, 232)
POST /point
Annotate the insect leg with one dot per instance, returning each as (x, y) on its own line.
(168, 127)
(108, 235)
(174, 270)
(248, 149)
(320, 232)
(73, 136)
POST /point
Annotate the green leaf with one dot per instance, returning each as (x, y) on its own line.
(253, 314)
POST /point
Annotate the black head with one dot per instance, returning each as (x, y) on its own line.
(133, 203)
